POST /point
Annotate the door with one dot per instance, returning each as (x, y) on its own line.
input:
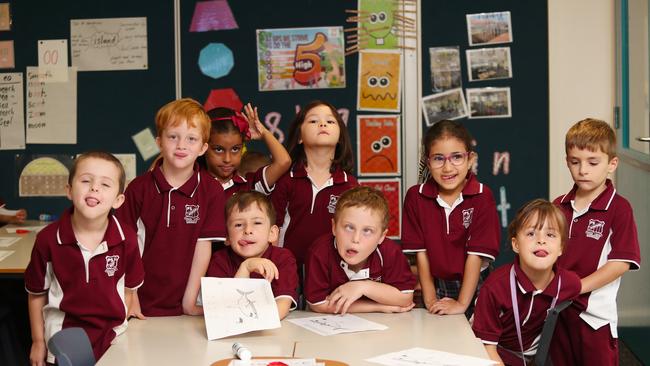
(633, 130)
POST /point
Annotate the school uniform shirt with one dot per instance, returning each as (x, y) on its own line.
(604, 231)
(449, 233)
(225, 263)
(254, 181)
(84, 289)
(169, 221)
(326, 270)
(304, 211)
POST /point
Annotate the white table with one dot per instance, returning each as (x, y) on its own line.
(182, 340)
(17, 262)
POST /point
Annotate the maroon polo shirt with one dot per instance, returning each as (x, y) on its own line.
(303, 211)
(255, 181)
(86, 293)
(472, 227)
(494, 321)
(225, 263)
(325, 269)
(604, 232)
(169, 222)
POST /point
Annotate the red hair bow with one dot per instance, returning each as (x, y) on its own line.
(239, 121)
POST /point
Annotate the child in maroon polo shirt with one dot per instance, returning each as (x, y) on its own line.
(251, 229)
(450, 222)
(603, 244)
(538, 237)
(177, 209)
(86, 266)
(230, 130)
(305, 197)
(355, 269)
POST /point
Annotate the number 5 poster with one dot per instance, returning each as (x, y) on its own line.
(300, 58)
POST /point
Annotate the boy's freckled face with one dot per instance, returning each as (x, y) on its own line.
(95, 188)
(589, 169)
(180, 145)
(250, 231)
(358, 231)
(538, 248)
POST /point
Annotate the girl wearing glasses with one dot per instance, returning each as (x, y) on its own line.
(229, 131)
(450, 222)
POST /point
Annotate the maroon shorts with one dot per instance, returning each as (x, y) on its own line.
(576, 343)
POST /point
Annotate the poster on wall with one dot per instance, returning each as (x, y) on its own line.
(12, 117)
(379, 84)
(392, 190)
(109, 44)
(378, 145)
(300, 58)
(42, 175)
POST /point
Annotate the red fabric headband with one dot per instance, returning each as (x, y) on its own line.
(239, 121)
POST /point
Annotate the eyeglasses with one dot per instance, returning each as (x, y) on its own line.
(438, 160)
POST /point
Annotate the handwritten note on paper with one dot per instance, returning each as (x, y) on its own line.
(428, 357)
(109, 44)
(234, 306)
(327, 325)
(12, 117)
(53, 55)
(51, 107)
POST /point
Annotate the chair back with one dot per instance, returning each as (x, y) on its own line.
(71, 347)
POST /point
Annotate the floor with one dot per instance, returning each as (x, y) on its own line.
(634, 349)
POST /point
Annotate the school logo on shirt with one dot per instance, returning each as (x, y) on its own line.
(191, 214)
(595, 229)
(111, 264)
(332, 205)
(467, 217)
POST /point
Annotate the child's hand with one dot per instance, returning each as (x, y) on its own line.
(20, 217)
(262, 266)
(345, 295)
(37, 354)
(448, 306)
(255, 126)
(429, 302)
(398, 309)
(134, 308)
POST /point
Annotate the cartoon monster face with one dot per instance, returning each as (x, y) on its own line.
(378, 145)
(379, 79)
(377, 23)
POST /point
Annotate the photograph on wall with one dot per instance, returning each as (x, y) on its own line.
(489, 63)
(378, 145)
(489, 28)
(392, 190)
(489, 102)
(445, 105)
(300, 58)
(379, 84)
(445, 68)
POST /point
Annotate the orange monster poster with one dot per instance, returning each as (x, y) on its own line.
(378, 145)
(392, 190)
(379, 86)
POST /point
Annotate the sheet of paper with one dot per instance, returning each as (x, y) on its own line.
(11, 229)
(276, 362)
(7, 60)
(327, 325)
(6, 242)
(51, 107)
(146, 144)
(379, 81)
(109, 44)
(5, 253)
(234, 306)
(5, 17)
(12, 116)
(53, 60)
(428, 357)
(212, 15)
(129, 163)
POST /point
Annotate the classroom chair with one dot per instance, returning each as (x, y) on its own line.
(71, 347)
(541, 358)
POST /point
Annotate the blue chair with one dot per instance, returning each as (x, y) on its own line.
(71, 347)
(541, 357)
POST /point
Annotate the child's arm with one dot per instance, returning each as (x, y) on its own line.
(133, 304)
(604, 275)
(284, 305)
(12, 216)
(361, 306)
(262, 266)
(200, 262)
(426, 281)
(281, 159)
(38, 352)
(347, 294)
(491, 350)
(467, 289)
